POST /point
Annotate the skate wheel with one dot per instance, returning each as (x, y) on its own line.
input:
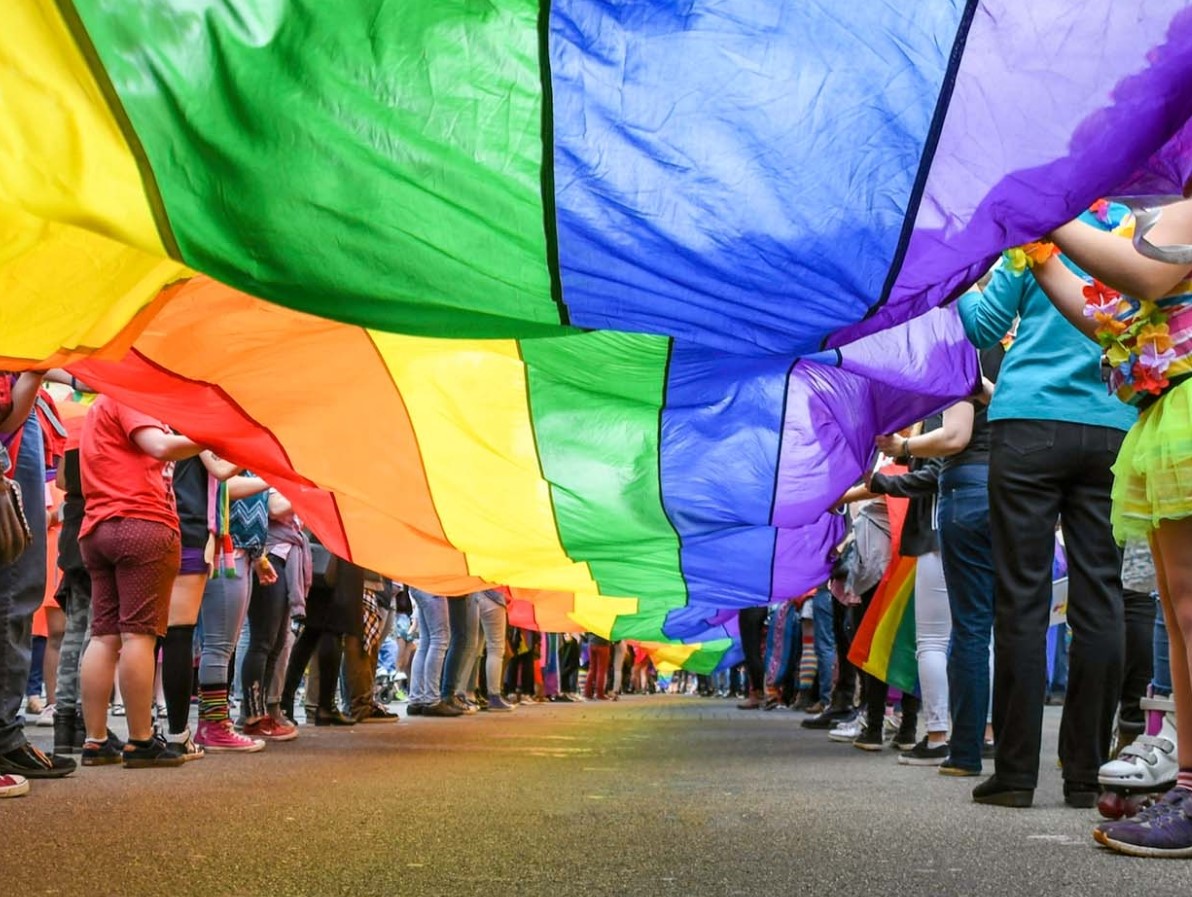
(1111, 805)
(1134, 804)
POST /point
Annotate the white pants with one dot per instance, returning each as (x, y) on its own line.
(933, 632)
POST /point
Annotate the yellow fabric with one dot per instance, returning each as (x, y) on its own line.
(470, 414)
(64, 162)
(65, 290)
(62, 154)
(1153, 473)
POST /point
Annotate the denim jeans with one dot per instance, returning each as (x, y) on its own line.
(221, 614)
(463, 618)
(966, 550)
(1161, 681)
(74, 597)
(22, 588)
(434, 631)
(933, 635)
(825, 642)
(490, 608)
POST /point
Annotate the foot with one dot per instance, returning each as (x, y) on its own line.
(102, 752)
(847, 731)
(34, 705)
(183, 742)
(830, 718)
(148, 754)
(415, 709)
(333, 718)
(441, 708)
(64, 733)
(13, 786)
(32, 763)
(993, 792)
(497, 704)
(1163, 829)
(949, 768)
(45, 719)
(753, 702)
(925, 753)
(220, 737)
(1081, 795)
(868, 740)
(375, 713)
(269, 729)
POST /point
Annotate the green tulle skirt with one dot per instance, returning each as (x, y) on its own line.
(1153, 473)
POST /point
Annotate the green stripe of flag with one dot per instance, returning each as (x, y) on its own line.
(598, 432)
(384, 152)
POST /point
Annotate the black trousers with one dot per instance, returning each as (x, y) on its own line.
(843, 625)
(1139, 667)
(1041, 471)
(752, 621)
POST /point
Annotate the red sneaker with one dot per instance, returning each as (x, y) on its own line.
(13, 786)
(271, 730)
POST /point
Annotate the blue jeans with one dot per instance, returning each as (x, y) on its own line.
(464, 621)
(1161, 683)
(221, 613)
(825, 642)
(490, 607)
(966, 549)
(22, 588)
(434, 630)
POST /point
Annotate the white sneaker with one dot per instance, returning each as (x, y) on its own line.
(847, 731)
(45, 719)
(13, 786)
(1148, 763)
(184, 744)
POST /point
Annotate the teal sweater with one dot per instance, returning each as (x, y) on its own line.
(1052, 371)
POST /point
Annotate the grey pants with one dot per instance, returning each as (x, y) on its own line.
(22, 588)
(74, 595)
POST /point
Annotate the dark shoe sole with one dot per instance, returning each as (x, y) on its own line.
(1015, 799)
(1082, 800)
(102, 761)
(152, 762)
(867, 746)
(959, 772)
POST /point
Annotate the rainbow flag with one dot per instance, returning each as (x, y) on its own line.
(884, 644)
(745, 174)
(628, 484)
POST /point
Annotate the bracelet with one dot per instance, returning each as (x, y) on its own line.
(906, 448)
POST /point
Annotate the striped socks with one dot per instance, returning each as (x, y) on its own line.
(1184, 779)
(213, 702)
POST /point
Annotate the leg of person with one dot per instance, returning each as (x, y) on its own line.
(74, 596)
(825, 642)
(178, 653)
(1028, 468)
(1139, 666)
(458, 643)
(300, 656)
(434, 635)
(493, 622)
(267, 611)
(277, 672)
(618, 662)
(751, 620)
(56, 624)
(22, 589)
(600, 655)
(330, 659)
(933, 634)
(1095, 614)
(221, 614)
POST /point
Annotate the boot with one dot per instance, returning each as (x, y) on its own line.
(838, 711)
(65, 726)
(753, 702)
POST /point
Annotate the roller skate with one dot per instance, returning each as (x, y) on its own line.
(1145, 768)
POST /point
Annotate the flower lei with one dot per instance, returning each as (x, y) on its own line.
(1021, 258)
(1137, 344)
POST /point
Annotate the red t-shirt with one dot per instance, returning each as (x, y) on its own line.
(119, 480)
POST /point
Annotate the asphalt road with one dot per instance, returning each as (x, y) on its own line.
(657, 795)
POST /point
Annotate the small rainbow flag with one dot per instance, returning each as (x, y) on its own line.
(884, 645)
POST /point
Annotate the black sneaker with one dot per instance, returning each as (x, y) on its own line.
(375, 713)
(869, 739)
(333, 718)
(904, 738)
(1082, 795)
(415, 709)
(441, 708)
(948, 768)
(829, 719)
(108, 752)
(925, 754)
(147, 754)
(32, 763)
(65, 734)
(993, 791)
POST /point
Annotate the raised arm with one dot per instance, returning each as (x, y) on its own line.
(1114, 260)
(949, 439)
(24, 395)
(164, 446)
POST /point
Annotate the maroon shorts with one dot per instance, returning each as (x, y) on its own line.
(132, 565)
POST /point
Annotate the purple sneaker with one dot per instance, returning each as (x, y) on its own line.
(1163, 829)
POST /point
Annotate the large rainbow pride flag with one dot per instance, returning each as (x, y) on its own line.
(625, 289)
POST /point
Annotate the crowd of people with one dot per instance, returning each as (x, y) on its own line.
(179, 578)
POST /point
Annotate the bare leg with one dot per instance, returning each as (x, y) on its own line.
(1171, 545)
(56, 623)
(96, 677)
(136, 683)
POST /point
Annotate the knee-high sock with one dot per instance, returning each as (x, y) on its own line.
(177, 674)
